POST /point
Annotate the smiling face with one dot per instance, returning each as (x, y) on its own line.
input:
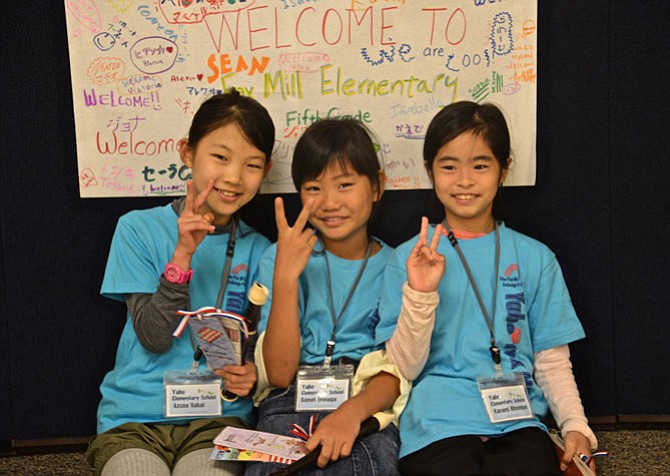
(342, 202)
(235, 165)
(466, 176)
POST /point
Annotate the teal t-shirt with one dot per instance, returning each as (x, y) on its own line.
(355, 329)
(143, 243)
(533, 313)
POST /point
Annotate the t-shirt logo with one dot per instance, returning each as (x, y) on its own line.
(236, 290)
(511, 277)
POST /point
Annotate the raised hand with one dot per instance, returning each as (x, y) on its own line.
(193, 226)
(425, 266)
(294, 243)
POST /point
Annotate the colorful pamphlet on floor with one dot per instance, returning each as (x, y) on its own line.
(250, 445)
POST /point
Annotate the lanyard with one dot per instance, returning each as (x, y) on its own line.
(226, 266)
(330, 347)
(495, 350)
(230, 250)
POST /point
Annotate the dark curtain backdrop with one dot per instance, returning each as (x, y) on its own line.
(600, 203)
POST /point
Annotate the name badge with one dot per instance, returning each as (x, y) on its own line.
(190, 393)
(321, 388)
(505, 397)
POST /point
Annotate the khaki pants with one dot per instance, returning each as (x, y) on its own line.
(170, 442)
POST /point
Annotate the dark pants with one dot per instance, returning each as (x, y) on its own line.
(526, 452)
(374, 455)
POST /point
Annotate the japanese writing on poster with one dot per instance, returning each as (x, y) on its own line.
(140, 69)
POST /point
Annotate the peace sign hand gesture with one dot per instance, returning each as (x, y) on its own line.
(192, 225)
(294, 244)
(425, 266)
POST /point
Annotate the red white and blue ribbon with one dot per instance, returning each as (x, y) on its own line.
(298, 431)
(587, 459)
(205, 312)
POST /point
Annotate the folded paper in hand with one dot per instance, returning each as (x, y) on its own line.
(578, 467)
(219, 334)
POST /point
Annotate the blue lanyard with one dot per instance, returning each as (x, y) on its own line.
(330, 346)
(494, 349)
(230, 250)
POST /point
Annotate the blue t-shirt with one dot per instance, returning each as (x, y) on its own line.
(355, 329)
(143, 243)
(533, 313)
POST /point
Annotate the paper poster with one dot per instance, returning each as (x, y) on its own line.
(140, 69)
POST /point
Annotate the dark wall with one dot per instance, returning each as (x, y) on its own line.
(641, 204)
(600, 203)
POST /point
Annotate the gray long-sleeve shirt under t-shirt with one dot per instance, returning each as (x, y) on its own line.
(153, 315)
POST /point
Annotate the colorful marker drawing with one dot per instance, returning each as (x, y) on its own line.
(391, 65)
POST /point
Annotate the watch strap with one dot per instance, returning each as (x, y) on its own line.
(174, 274)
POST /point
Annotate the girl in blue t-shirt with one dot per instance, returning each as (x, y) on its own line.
(320, 318)
(192, 253)
(483, 323)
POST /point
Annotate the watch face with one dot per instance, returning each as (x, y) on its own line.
(175, 275)
(172, 274)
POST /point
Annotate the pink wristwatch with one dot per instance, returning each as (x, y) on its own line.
(176, 275)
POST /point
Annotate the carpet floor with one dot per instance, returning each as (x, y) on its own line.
(632, 453)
